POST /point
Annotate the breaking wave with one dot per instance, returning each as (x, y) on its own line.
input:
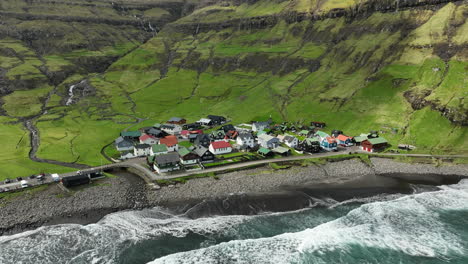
(429, 227)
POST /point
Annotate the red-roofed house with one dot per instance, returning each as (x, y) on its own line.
(171, 143)
(220, 147)
(344, 140)
(185, 133)
(148, 139)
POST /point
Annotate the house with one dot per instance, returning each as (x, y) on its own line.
(321, 135)
(217, 135)
(291, 141)
(335, 133)
(344, 141)
(184, 133)
(202, 140)
(177, 121)
(148, 139)
(142, 150)
(374, 144)
(171, 129)
(282, 151)
(204, 154)
(205, 122)
(246, 140)
(171, 142)
(159, 149)
(228, 127)
(192, 137)
(126, 155)
(166, 162)
(156, 132)
(157, 125)
(304, 133)
(260, 126)
(191, 126)
(281, 138)
(318, 124)
(268, 141)
(123, 144)
(220, 147)
(231, 134)
(265, 152)
(188, 157)
(329, 144)
(217, 120)
(310, 145)
(133, 135)
(359, 139)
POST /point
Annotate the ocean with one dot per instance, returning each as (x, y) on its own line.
(423, 227)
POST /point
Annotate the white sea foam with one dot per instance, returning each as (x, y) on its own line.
(409, 224)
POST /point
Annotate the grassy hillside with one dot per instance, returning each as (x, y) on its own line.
(357, 70)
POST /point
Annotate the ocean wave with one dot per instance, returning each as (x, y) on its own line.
(409, 225)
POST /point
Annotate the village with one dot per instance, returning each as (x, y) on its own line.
(212, 141)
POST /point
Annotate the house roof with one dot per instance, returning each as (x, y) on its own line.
(280, 137)
(304, 132)
(220, 144)
(183, 151)
(154, 131)
(142, 146)
(166, 158)
(280, 150)
(204, 120)
(170, 126)
(185, 132)
(145, 137)
(289, 138)
(360, 138)
(343, 137)
(159, 148)
(200, 151)
(202, 137)
(264, 151)
(175, 119)
(266, 137)
(157, 125)
(216, 117)
(377, 140)
(245, 136)
(118, 140)
(169, 141)
(330, 139)
(134, 134)
(261, 132)
(262, 124)
(322, 134)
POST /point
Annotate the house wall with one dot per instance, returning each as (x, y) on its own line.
(220, 151)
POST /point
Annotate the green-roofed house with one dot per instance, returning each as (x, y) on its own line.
(264, 152)
(374, 144)
(159, 149)
(321, 135)
(282, 151)
(304, 133)
(359, 139)
(157, 125)
(130, 134)
(188, 157)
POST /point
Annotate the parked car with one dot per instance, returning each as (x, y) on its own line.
(7, 180)
(40, 177)
(19, 179)
(2, 190)
(24, 184)
(32, 176)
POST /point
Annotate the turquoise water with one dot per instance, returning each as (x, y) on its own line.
(430, 227)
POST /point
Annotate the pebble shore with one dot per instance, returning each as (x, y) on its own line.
(87, 205)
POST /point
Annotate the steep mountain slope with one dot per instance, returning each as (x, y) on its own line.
(357, 65)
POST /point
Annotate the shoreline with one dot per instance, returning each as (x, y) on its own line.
(250, 191)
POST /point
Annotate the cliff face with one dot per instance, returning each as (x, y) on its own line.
(44, 42)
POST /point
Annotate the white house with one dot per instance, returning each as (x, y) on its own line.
(159, 149)
(260, 126)
(245, 140)
(142, 150)
(166, 162)
(171, 129)
(171, 142)
(148, 139)
(268, 141)
(205, 122)
(122, 144)
(291, 141)
(220, 147)
(126, 155)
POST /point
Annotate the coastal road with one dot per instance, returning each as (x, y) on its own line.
(296, 158)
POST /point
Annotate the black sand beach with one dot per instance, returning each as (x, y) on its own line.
(245, 192)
